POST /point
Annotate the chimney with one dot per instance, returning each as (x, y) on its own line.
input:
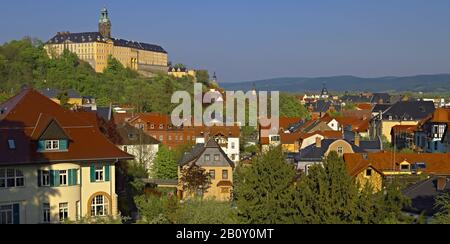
(441, 183)
(357, 140)
(318, 142)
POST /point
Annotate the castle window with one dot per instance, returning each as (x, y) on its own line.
(368, 172)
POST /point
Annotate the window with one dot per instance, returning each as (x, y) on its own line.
(233, 145)
(99, 206)
(207, 158)
(161, 126)
(368, 172)
(46, 213)
(99, 173)
(233, 157)
(63, 211)
(51, 145)
(63, 177)
(340, 151)
(6, 214)
(170, 138)
(45, 178)
(224, 174)
(404, 167)
(212, 174)
(216, 157)
(275, 138)
(11, 178)
(12, 144)
(161, 138)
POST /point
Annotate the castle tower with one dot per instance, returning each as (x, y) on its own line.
(104, 24)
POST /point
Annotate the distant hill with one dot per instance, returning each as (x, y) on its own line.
(419, 83)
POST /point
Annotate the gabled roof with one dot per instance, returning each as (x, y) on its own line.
(83, 37)
(130, 135)
(313, 153)
(138, 45)
(423, 194)
(198, 150)
(409, 110)
(30, 113)
(86, 37)
(436, 164)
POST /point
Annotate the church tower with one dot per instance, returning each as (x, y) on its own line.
(104, 24)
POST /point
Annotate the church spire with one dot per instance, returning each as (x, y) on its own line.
(104, 24)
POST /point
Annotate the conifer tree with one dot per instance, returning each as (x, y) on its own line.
(264, 190)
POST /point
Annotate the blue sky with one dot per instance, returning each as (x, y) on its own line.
(257, 39)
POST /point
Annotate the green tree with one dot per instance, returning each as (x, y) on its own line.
(202, 76)
(290, 107)
(165, 166)
(63, 98)
(442, 203)
(195, 180)
(264, 190)
(206, 212)
(328, 195)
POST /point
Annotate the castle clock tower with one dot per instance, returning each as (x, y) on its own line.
(104, 25)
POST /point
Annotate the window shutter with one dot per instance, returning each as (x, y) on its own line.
(63, 145)
(39, 178)
(52, 178)
(70, 176)
(107, 172)
(41, 146)
(16, 214)
(57, 183)
(75, 177)
(92, 173)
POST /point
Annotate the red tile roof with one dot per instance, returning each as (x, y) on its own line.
(26, 116)
(357, 124)
(364, 106)
(437, 164)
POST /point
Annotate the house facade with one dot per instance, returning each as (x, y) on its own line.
(55, 165)
(433, 133)
(402, 113)
(134, 141)
(214, 161)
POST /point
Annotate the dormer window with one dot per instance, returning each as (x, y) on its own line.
(51, 145)
(12, 144)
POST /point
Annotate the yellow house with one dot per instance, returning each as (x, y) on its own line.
(401, 113)
(96, 47)
(55, 164)
(215, 162)
(366, 176)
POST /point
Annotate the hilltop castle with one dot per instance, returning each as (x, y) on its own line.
(95, 48)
